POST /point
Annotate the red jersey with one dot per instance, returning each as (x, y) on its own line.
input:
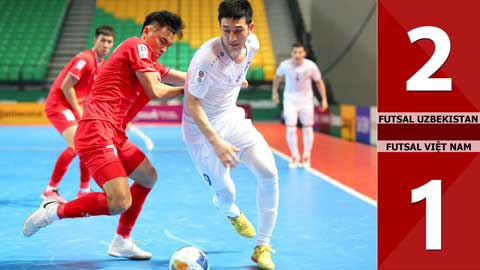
(82, 67)
(117, 95)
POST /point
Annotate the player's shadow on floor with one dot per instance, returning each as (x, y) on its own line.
(82, 264)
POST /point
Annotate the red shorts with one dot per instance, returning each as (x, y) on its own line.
(62, 118)
(105, 151)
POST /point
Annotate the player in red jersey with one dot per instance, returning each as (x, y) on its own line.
(64, 106)
(126, 82)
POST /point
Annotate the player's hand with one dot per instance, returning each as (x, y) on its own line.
(324, 105)
(275, 98)
(226, 153)
(245, 84)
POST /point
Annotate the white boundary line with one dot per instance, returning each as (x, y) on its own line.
(332, 181)
(170, 235)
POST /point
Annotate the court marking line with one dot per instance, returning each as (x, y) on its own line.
(170, 235)
(332, 181)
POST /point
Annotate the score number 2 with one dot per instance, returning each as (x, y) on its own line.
(432, 193)
(421, 81)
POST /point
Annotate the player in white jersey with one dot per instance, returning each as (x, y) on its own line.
(298, 101)
(216, 132)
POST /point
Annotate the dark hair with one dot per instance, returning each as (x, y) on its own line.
(105, 30)
(298, 45)
(166, 18)
(235, 9)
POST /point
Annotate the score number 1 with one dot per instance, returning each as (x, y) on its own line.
(432, 193)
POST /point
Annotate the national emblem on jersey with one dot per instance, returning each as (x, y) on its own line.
(80, 64)
(200, 76)
(142, 51)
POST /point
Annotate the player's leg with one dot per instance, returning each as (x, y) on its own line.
(307, 118)
(94, 143)
(115, 200)
(219, 180)
(290, 112)
(259, 159)
(140, 169)
(84, 180)
(62, 163)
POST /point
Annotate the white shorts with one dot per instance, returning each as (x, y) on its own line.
(292, 110)
(240, 133)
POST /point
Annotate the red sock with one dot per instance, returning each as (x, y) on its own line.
(128, 219)
(61, 166)
(92, 204)
(84, 176)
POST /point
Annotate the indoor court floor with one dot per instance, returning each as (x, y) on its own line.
(327, 216)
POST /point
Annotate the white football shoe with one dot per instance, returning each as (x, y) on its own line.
(126, 248)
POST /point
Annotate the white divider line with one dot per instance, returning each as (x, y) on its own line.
(170, 235)
(333, 181)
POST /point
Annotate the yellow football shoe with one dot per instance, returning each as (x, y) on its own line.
(243, 226)
(262, 255)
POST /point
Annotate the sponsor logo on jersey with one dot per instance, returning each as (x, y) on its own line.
(142, 51)
(80, 64)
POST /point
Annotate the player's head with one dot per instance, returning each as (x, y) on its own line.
(235, 18)
(103, 40)
(159, 30)
(298, 52)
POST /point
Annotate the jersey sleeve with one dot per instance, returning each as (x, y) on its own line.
(198, 77)
(253, 43)
(315, 73)
(281, 70)
(140, 57)
(80, 67)
(162, 70)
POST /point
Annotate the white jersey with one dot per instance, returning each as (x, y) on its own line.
(216, 79)
(298, 79)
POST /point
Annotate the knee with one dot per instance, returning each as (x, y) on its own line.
(267, 171)
(119, 203)
(152, 177)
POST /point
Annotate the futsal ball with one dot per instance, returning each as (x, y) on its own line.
(188, 258)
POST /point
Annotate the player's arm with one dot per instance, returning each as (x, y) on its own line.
(70, 94)
(323, 93)
(276, 83)
(224, 150)
(175, 77)
(156, 89)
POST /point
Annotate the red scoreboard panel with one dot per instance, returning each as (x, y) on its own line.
(429, 134)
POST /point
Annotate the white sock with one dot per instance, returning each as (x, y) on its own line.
(224, 200)
(292, 141)
(50, 188)
(267, 206)
(259, 159)
(308, 137)
(84, 189)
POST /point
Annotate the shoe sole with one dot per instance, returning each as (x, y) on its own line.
(248, 235)
(25, 222)
(134, 258)
(261, 266)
